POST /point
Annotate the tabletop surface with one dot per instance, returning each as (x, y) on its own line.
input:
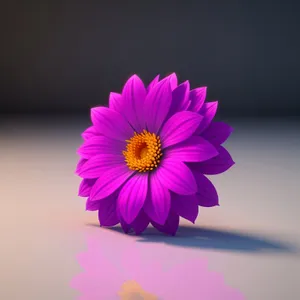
(250, 243)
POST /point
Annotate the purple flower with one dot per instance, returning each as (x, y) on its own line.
(145, 157)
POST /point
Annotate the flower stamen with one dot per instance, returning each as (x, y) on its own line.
(143, 152)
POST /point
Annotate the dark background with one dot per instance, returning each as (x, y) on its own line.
(66, 56)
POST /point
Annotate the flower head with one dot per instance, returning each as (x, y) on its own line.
(145, 157)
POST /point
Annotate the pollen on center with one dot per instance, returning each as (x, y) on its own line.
(143, 152)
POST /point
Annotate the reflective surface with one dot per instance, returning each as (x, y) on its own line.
(251, 241)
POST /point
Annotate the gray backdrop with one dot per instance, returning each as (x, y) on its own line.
(67, 55)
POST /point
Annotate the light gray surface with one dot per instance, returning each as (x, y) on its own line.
(43, 224)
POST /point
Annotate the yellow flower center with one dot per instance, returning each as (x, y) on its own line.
(143, 152)
(131, 290)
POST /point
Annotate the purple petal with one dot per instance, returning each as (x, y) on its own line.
(158, 202)
(153, 83)
(177, 177)
(185, 206)
(171, 225)
(111, 123)
(157, 105)
(126, 227)
(134, 94)
(100, 145)
(115, 102)
(217, 133)
(110, 180)
(80, 164)
(208, 111)
(89, 133)
(92, 205)
(180, 98)
(96, 165)
(197, 97)
(194, 149)
(107, 213)
(217, 164)
(86, 187)
(132, 197)
(186, 105)
(173, 81)
(207, 195)
(179, 127)
(140, 223)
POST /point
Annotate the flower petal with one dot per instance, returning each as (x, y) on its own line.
(173, 81)
(95, 166)
(134, 94)
(180, 98)
(109, 181)
(100, 145)
(208, 111)
(126, 227)
(140, 223)
(194, 149)
(197, 97)
(86, 187)
(92, 205)
(111, 123)
(179, 127)
(115, 102)
(80, 164)
(157, 105)
(217, 164)
(153, 83)
(207, 195)
(171, 225)
(186, 105)
(217, 133)
(132, 197)
(107, 213)
(89, 133)
(185, 206)
(177, 177)
(158, 202)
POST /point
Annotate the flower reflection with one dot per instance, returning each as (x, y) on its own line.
(123, 269)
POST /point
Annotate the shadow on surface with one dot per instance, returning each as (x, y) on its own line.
(217, 239)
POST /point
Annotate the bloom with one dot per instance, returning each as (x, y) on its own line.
(136, 274)
(145, 157)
